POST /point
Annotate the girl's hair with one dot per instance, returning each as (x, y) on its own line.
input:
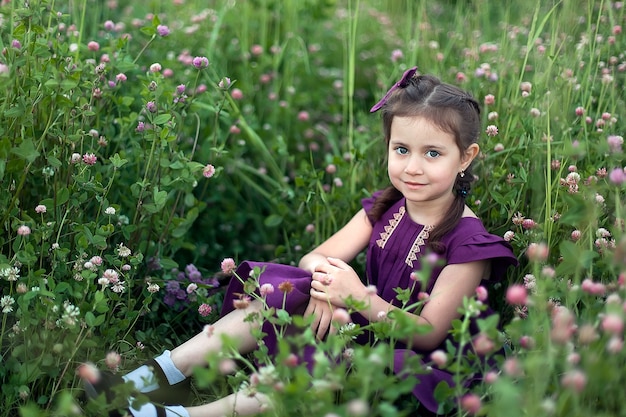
(452, 110)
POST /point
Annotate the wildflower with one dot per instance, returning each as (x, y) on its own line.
(492, 115)
(118, 287)
(471, 403)
(111, 275)
(110, 211)
(191, 287)
(489, 99)
(512, 367)
(481, 293)
(40, 209)
(615, 143)
(526, 87)
(291, 361)
(236, 94)
(338, 182)
(109, 25)
(88, 372)
(242, 302)
(6, 303)
(615, 344)
(93, 46)
(266, 289)
(227, 366)
(208, 171)
(528, 224)
(156, 67)
(256, 50)
(75, 158)
(563, 326)
(617, 176)
(224, 83)
(341, 316)
(492, 130)
(396, 55)
(153, 288)
(574, 380)
(286, 287)
(537, 252)
(151, 106)
(483, 344)
(204, 309)
(70, 314)
(509, 235)
(90, 159)
(141, 126)
(113, 360)
(439, 357)
(123, 251)
(516, 295)
(163, 30)
(126, 267)
(535, 112)
(579, 111)
(23, 230)
(228, 266)
(530, 282)
(180, 89)
(303, 116)
(613, 323)
(200, 62)
(21, 288)
(4, 69)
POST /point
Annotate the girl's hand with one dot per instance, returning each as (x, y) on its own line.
(334, 282)
(322, 313)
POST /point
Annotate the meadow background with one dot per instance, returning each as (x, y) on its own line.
(141, 143)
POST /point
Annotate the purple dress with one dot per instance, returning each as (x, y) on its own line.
(394, 251)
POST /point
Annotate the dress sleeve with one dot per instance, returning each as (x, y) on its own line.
(368, 202)
(483, 245)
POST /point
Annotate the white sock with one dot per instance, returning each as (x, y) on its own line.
(146, 381)
(149, 410)
(173, 375)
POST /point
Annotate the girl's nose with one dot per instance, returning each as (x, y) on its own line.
(413, 166)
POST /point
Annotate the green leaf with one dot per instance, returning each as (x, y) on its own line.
(15, 111)
(26, 150)
(162, 119)
(273, 220)
(117, 161)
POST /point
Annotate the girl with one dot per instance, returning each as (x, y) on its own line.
(431, 129)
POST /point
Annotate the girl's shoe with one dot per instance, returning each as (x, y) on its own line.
(166, 394)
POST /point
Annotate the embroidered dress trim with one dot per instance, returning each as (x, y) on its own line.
(393, 223)
(419, 241)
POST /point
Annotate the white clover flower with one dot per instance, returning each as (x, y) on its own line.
(10, 273)
(6, 303)
(123, 251)
(110, 211)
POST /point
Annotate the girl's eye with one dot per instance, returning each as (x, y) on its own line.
(432, 154)
(402, 150)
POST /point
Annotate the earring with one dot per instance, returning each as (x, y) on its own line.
(462, 173)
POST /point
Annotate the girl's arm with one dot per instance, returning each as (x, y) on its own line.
(455, 282)
(345, 244)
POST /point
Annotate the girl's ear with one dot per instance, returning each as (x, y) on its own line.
(470, 153)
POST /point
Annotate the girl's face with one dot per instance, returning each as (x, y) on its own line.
(423, 161)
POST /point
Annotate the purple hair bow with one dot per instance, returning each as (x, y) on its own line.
(404, 81)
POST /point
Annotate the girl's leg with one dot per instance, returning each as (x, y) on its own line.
(236, 404)
(193, 352)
